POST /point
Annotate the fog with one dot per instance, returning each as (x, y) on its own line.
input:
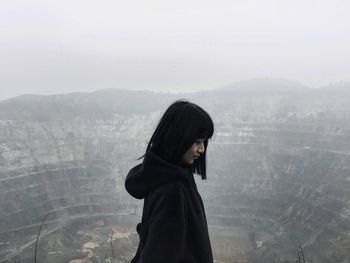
(278, 173)
(65, 46)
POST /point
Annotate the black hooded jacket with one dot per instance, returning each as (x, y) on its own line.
(173, 227)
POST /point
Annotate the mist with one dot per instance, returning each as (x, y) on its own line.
(273, 75)
(50, 47)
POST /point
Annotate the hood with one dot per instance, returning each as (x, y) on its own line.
(151, 173)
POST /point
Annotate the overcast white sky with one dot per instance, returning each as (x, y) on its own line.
(63, 46)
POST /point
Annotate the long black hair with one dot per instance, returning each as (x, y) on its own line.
(181, 124)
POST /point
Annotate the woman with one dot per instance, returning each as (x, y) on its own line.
(174, 226)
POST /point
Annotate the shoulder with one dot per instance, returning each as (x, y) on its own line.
(168, 200)
(174, 188)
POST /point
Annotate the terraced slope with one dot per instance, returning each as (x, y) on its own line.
(279, 173)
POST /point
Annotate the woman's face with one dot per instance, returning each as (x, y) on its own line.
(196, 149)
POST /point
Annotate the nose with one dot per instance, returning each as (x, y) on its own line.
(201, 147)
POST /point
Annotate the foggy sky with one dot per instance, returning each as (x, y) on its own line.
(63, 46)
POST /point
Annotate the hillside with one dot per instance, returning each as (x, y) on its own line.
(278, 172)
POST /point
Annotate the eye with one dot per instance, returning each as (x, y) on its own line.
(199, 141)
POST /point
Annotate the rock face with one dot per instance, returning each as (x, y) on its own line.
(278, 173)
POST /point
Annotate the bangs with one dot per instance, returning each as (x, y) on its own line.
(205, 126)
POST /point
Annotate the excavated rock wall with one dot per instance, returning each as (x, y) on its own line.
(278, 177)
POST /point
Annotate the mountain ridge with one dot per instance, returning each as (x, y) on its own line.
(106, 102)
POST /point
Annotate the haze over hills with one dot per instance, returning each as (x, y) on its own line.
(278, 172)
(128, 101)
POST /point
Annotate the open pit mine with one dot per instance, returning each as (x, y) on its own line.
(278, 173)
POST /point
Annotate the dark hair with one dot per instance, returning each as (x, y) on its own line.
(181, 124)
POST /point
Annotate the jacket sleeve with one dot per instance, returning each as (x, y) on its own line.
(167, 229)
